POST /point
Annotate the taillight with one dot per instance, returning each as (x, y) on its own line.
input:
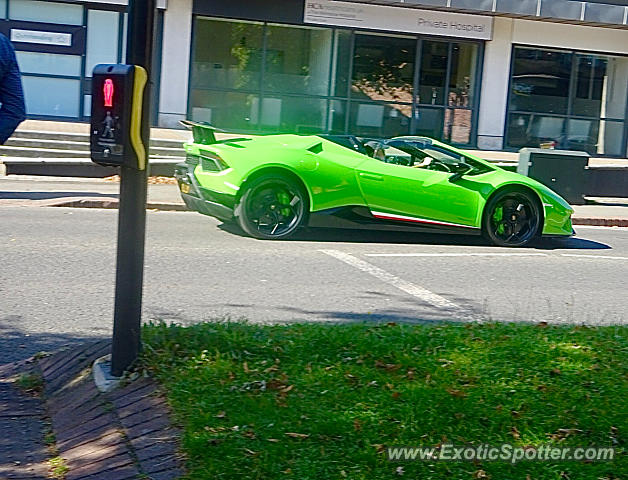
(211, 162)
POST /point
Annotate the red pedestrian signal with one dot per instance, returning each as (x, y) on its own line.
(108, 92)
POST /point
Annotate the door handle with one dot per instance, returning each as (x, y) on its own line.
(372, 176)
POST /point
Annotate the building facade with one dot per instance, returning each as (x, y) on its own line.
(57, 45)
(488, 74)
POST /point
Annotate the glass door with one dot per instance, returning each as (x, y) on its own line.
(403, 85)
(446, 85)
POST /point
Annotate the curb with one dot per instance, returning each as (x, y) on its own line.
(600, 222)
(114, 203)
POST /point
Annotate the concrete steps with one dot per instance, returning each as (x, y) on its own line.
(77, 167)
(45, 144)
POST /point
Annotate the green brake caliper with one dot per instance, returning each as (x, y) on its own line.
(284, 201)
(498, 217)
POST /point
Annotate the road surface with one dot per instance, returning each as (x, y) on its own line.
(57, 276)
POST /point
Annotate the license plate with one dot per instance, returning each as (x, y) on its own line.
(185, 188)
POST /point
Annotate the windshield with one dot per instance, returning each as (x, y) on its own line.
(421, 153)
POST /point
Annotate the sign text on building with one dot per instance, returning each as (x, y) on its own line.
(37, 36)
(398, 19)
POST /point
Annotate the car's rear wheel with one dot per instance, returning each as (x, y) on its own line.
(512, 218)
(272, 207)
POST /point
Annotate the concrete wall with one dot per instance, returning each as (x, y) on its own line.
(494, 92)
(177, 39)
(497, 56)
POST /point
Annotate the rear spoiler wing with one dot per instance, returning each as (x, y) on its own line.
(202, 132)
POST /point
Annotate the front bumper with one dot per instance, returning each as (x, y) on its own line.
(202, 200)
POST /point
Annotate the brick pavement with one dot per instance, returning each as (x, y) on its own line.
(23, 453)
(125, 434)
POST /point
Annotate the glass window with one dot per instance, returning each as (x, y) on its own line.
(227, 54)
(567, 9)
(429, 122)
(587, 92)
(3, 8)
(590, 75)
(380, 120)
(604, 13)
(540, 81)
(340, 63)
(594, 136)
(610, 138)
(486, 5)
(293, 114)
(102, 39)
(49, 63)
(64, 102)
(297, 60)
(433, 74)
(529, 130)
(600, 86)
(522, 7)
(47, 12)
(337, 116)
(310, 79)
(383, 68)
(581, 135)
(436, 3)
(462, 77)
(229, 110)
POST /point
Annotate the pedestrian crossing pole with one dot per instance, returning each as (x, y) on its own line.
(126, 341)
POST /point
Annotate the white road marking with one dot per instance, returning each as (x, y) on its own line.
(410, 288)
(455, 255)
(608, 257)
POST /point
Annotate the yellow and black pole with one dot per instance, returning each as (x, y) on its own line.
(120, 132)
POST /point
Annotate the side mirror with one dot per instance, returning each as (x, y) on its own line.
(464, 169)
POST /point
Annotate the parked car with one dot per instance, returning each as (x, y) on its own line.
(273, 184)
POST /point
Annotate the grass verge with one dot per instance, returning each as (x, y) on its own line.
(322, 401)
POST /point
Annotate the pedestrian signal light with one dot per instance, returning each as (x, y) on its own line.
(108, 92)
(115, 136)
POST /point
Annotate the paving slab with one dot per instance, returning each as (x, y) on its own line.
(23, 452)
(94, 437)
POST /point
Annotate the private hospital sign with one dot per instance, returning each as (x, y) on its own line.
(398, 19)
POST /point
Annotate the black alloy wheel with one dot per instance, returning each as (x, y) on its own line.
(512, 218)
(272, 207)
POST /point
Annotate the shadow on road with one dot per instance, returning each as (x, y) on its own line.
(17, 344)
(338, 235)
(50, 195)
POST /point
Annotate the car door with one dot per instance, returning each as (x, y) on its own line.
(417, 194)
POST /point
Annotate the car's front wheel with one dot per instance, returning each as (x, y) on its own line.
(512, 218)
(272, 207)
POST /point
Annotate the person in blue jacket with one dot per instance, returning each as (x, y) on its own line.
(12, 108)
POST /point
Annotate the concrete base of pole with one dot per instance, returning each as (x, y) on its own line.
(104, 380)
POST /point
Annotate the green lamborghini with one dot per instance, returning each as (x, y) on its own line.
(274, 184)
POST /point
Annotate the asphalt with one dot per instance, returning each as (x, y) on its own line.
(58, 273)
